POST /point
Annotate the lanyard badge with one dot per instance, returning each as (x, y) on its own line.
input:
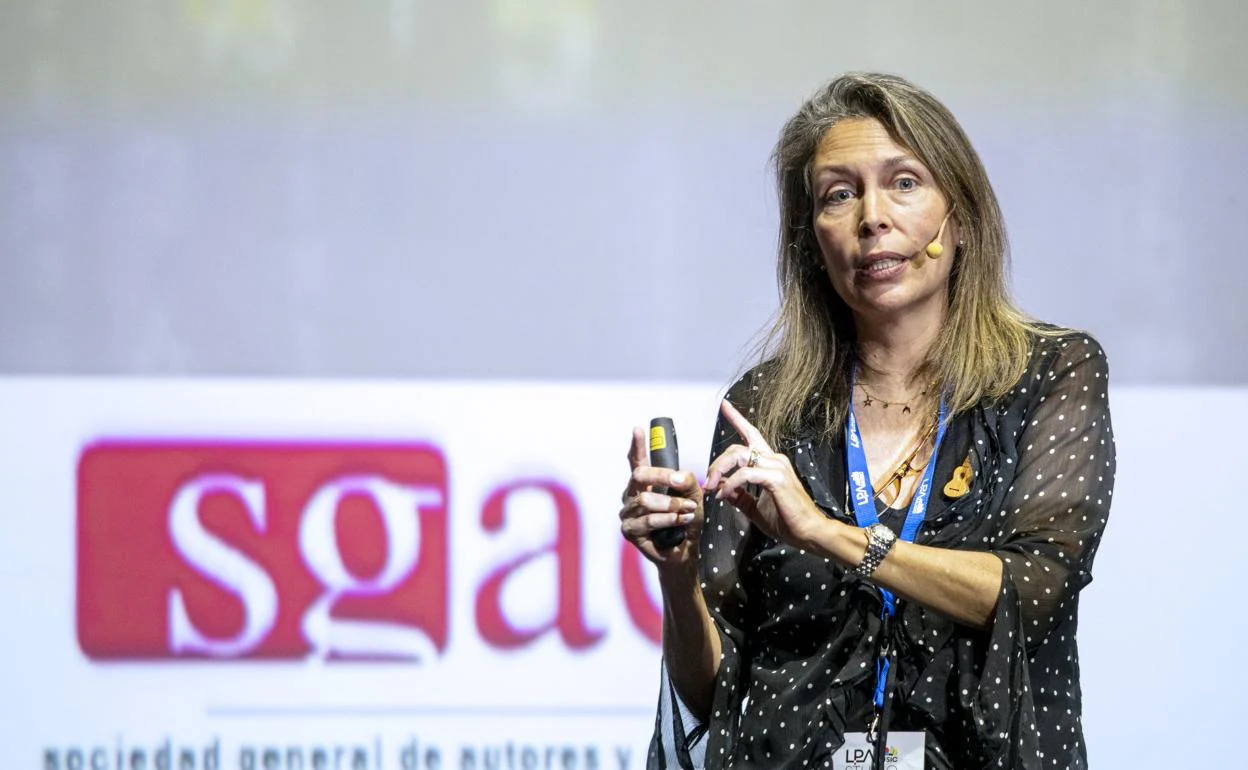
(863, 500)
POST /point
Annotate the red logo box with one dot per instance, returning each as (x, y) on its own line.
(192, 549)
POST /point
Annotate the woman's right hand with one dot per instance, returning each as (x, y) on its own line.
(645, 510)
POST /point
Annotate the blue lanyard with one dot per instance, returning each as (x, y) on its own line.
(863, 496)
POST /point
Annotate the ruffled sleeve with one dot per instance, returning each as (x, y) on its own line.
(1057, 507)
(1056, 433)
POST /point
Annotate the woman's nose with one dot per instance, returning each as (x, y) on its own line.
(874, 215)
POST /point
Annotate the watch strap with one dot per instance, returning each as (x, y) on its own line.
(880, 540)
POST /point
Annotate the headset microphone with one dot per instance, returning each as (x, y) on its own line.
(664, 454)
(935, 249)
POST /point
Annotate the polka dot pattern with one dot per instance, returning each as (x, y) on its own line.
(799, 633)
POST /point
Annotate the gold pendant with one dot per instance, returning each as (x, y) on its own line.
(894, 486)
(960, 483)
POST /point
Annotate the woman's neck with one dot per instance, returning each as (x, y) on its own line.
(891, 351)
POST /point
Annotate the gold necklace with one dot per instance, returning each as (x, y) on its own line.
(870, 398)
(907, 467)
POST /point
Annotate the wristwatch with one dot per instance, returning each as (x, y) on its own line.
(880, 540)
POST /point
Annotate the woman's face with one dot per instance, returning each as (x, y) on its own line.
(876, 210)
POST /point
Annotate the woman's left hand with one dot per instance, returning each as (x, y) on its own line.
(782, 508)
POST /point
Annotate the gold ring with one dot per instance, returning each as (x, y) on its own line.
(753, 459)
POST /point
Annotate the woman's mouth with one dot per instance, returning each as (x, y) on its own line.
(883, 266)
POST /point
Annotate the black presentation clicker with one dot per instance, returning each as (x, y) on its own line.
(664, 454)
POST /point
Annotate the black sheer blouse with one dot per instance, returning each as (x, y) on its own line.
(799, 631)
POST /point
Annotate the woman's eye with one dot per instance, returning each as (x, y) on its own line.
(907, 183)
(839, 195)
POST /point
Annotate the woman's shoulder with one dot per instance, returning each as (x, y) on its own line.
(1059, 357)
(1054, 346)
(749, 386)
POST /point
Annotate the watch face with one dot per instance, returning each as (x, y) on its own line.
(883, 533)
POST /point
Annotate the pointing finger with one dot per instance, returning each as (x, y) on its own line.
(747, 431)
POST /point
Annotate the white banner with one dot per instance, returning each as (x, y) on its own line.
(243, 574)
(284, 575)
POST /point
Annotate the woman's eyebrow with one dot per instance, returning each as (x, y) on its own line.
(900, 160)
(888, 165)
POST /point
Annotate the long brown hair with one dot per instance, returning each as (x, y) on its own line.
(982, 349)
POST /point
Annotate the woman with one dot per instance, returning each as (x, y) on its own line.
(898, 384)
